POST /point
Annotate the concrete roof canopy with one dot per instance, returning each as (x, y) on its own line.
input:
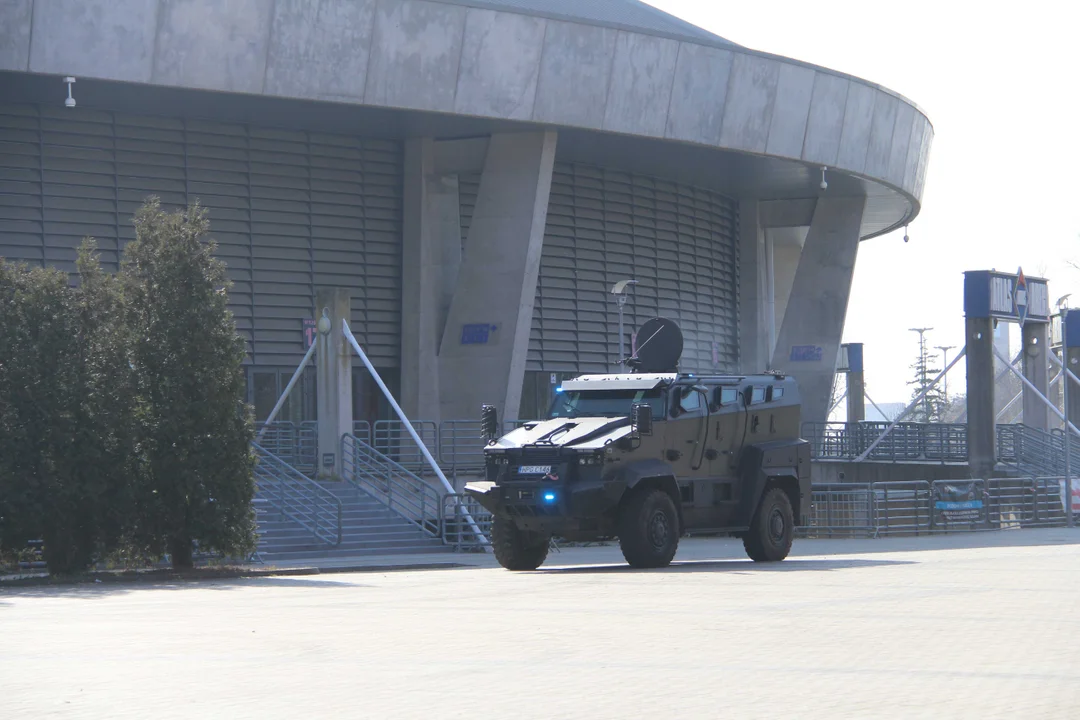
(624, 84)
(631, 15)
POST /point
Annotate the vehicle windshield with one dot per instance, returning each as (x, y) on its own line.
(604, 403)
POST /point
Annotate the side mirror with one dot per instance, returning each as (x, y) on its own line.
(641, 418)
(489, 422)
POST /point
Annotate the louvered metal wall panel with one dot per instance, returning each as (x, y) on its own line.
(678, 241)
(290, 210)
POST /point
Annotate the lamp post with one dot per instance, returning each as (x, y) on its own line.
(944, 363)
(1063, 305)
(619, 291)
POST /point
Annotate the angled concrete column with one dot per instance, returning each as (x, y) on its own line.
(1036, 339)
(421, 286)
(808, 344)
(333, 363)
(486, 339)
(753, 291)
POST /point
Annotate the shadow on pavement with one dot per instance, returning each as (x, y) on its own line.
(745, 567)
(93, 591)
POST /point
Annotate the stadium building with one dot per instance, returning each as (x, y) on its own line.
(464, 180)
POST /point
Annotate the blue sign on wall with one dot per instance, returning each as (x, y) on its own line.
(476, 333)
(806, 353)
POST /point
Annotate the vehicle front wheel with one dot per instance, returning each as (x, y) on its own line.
(772, 529)
(649, 529)
(516, 549)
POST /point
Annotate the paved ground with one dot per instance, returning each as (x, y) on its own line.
(981, 626)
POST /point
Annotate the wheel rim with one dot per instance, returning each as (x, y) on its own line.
(776, 526)
(658, 530)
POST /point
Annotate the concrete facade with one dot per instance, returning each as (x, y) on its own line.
(498, 93)
(438, 56)
(497, 282)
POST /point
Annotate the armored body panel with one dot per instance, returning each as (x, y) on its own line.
(648, 458)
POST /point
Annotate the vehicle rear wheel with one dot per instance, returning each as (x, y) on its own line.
(649, 529)
(516, 549)
(772, 529)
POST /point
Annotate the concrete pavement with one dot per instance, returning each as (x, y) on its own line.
(980, 626)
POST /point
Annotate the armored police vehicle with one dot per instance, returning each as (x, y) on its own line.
(649, 456)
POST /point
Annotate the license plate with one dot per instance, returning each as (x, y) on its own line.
(534, 469)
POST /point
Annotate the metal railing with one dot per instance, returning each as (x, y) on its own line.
(295, 444)
(390, 438)
(842, 510)
(938, 507)
(361, 429)
(456, 530)
(298, 497)
(938, 442)
(392, 484)
(461, 446)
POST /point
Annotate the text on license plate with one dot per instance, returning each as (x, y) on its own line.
(534, 469)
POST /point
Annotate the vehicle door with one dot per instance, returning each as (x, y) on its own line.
(687, 419)
(726, 423)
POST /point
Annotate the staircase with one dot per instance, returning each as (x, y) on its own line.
(381, 508)
(368, 527)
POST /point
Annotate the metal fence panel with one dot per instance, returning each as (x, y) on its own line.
(841, 510)
(392, 439)
(901, 508)
(461, 445)
(456, 528)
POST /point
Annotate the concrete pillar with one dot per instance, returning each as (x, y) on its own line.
(982, 450)
(753, 304)
(333, 363)
(856, 384)
(1036, 341)
(421, 286)
(1072, 360)
(808, 344)
(1055, 387)
(1073, 411)
(486, 340)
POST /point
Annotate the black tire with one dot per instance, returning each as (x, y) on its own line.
(514, 549)
(772, 529)
(649, 529)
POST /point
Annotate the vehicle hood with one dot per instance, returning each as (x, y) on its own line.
(582, 433)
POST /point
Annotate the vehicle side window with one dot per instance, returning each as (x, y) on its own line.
(757, 395)
(691, 402)
(729, 395)
(775, 393)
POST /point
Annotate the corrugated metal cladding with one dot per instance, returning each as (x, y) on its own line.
(290, 210)
(679, 243)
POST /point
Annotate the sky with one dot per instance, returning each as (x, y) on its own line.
(999, 83)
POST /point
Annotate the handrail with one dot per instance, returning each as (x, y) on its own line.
(456, 531)
(403, 492)
(298, 497)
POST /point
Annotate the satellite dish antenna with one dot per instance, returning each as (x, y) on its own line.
(659, 347)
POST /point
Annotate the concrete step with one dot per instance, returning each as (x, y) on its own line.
(316, 554)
